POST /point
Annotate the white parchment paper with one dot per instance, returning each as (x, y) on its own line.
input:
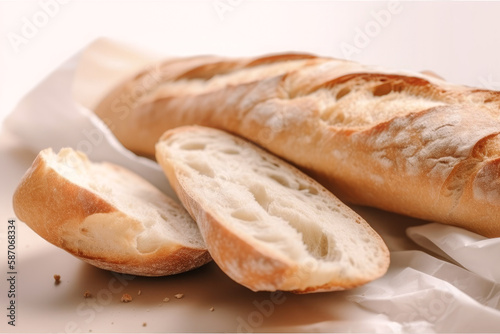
(57, 112)
(443, 279)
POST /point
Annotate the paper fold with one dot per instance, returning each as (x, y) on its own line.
(50, 115)
(426, 294)
(472, 251)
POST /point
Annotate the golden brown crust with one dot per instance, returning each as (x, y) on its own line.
(227, 247)
(161, 263)
(42, 187)
(60, 212)
(255, 267)
(400, 141)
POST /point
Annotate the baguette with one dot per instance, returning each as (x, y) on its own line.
(266, 224)
(107, 216)
(400, 141)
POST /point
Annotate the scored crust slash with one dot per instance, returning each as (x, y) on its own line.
(401, 141)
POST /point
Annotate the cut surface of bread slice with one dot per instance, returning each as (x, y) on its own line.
(266, 224)
(107, 216)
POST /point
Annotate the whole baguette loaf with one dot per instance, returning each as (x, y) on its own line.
(107, 216)
(396, 140)
(266, 224)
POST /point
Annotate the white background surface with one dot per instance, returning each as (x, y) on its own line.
(457, 40)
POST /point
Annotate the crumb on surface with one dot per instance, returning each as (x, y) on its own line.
(144, 324)
(87, 294)
(139, 292)
(212, 309)
(126, 298)
(166, 299)
(179, 295)
(57, 279)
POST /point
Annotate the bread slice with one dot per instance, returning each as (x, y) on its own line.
(107, 216)
(266, 224)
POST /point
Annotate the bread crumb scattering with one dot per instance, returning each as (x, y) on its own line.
(126, 298)
(57, 279)
(144, 324)
(139, 292)
(87, 294)
(166, 300)
(212, 309)
(179, 295)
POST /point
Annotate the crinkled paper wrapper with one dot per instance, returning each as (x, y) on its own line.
(441, 278)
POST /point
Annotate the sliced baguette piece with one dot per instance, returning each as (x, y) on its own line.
(107, 216)
(266, 224)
